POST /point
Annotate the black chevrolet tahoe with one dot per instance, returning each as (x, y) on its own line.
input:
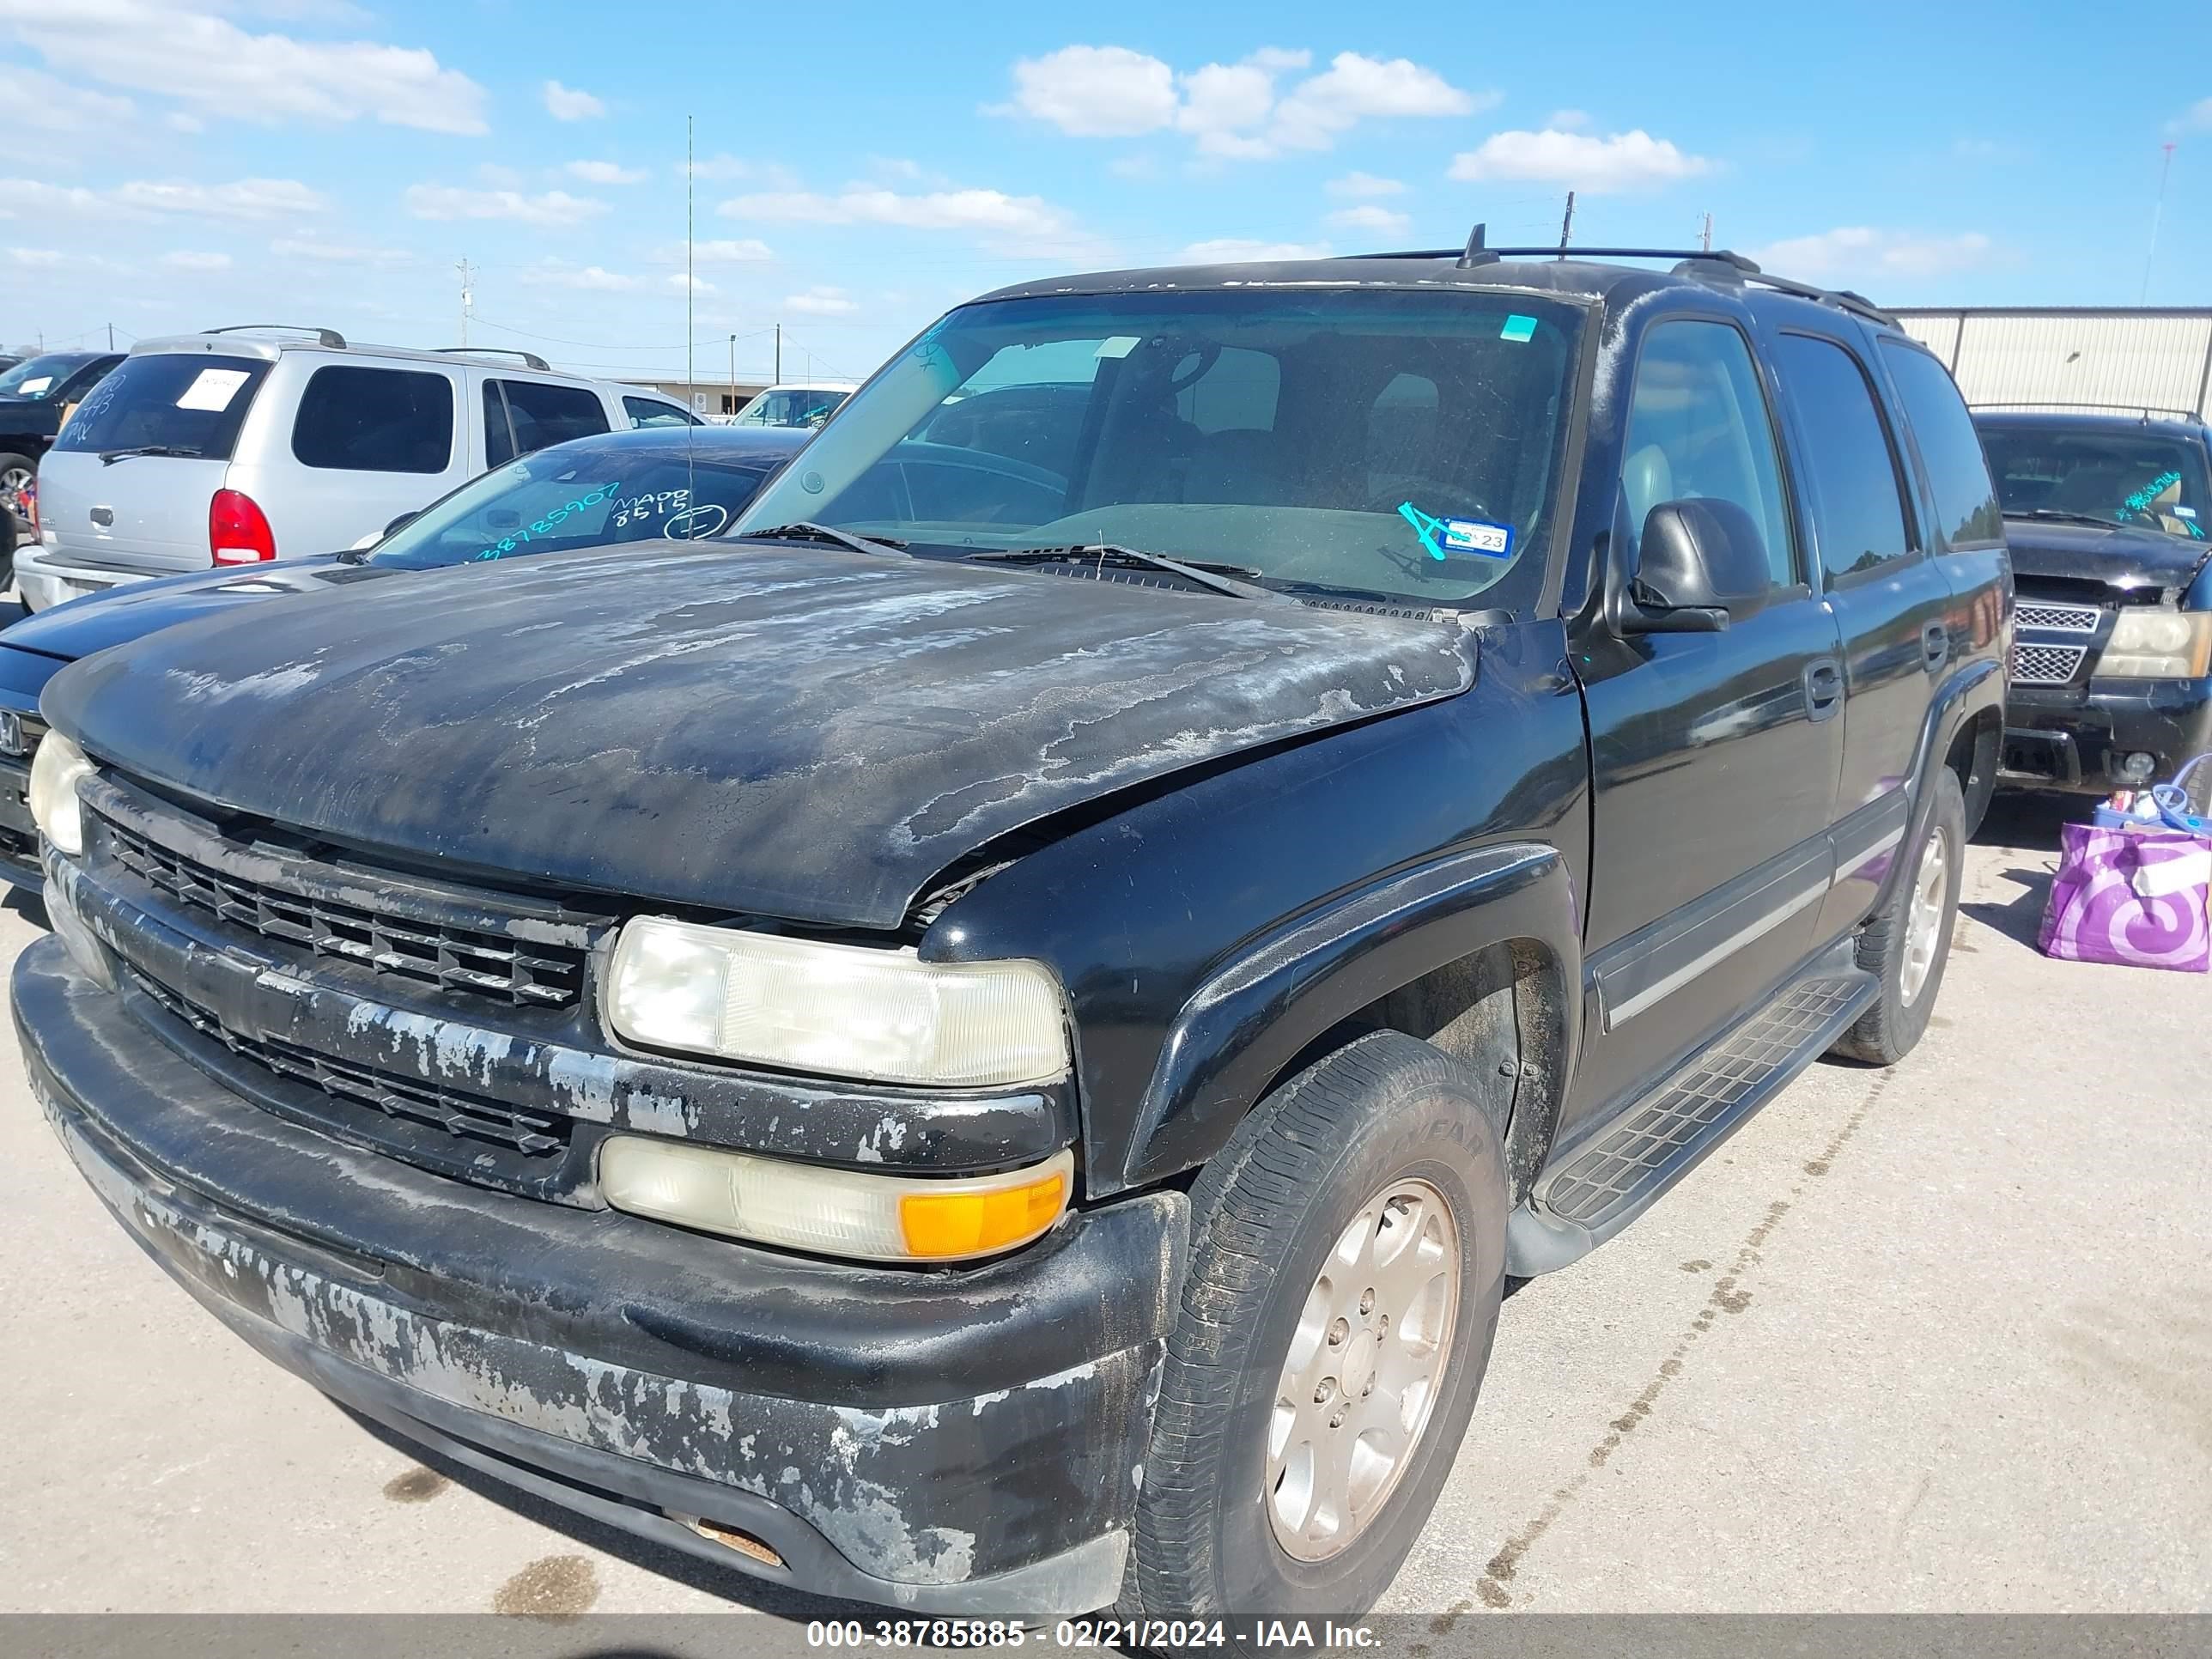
(993, 1043)
(2108, 516)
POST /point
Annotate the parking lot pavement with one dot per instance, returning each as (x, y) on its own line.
(1935, 1338)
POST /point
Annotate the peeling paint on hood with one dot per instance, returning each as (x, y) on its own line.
(811, 735)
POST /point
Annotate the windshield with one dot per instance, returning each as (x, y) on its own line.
(2142, 479)
(791, 406)
(587, 494)
(37, 376)
(1395, 443)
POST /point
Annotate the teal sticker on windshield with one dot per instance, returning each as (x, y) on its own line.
(1444, 537)
(1518, 327)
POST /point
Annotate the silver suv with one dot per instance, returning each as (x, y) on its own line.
(237, 445)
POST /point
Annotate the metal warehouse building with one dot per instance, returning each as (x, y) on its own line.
(2148, 358)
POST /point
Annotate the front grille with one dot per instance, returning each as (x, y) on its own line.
(2059, 618)
(516, 971)
(397, 1101)
(2046, 664)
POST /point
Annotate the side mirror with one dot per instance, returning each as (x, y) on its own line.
(1701, 563)
(401, 523)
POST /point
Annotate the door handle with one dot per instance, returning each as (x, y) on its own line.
(1935, 645)
(1824, 687)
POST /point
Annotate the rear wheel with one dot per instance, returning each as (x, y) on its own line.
(1347, 1263)
(1906, 947)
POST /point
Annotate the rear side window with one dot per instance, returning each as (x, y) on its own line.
(1966, 514)
(537, 417)
(1858, 509)
(184, 403)
(374, 420)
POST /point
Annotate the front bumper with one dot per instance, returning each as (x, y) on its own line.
(2062, 737)
(952, 1441)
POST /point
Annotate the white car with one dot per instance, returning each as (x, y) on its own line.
(237, 445)
(796, 402)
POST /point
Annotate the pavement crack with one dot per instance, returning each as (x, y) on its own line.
(1728, 1297)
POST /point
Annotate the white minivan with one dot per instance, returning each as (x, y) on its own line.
(240, 445)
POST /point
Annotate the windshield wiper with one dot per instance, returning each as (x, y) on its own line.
(1207, 573)
(109, 457)
(2067, 515)
(807, 531)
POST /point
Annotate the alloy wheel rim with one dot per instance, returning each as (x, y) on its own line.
(1923, 928)
(1365, 1365)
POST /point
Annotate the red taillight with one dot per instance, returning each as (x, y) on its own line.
(238, 530)
(29, 497)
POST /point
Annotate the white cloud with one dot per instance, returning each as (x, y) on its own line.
(2197, 118)
(1387, 222)
(1361, 186)
(499, 176)
(555, 274)
(606, 173)
(679, 281)
(1568, 120)
(553, 207)
(1237, 250)
(140, 198)
(335, 253)
(1011, 220)
(190, 54)
(1355, 88)
(186, 259)
(772, 175)
(42, 258)
(1622, 161)
(568, 103)
(178, 121)
(43, 103)
(820, 302)
(744, 250)
(1095, 92)
(1230, 110)
(1860, 251)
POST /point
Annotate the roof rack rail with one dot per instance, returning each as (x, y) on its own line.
(1717, 264)
(2143, 412)
(530, 359)
(326, 337)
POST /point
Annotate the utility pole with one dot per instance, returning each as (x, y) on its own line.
(1705, 236)
(734, 374)
(1567, 224)
(777, 376)
(2156, 214)
(468, 299)
(111, 336)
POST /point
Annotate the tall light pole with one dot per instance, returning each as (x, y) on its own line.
(468, 299)
(734, 374)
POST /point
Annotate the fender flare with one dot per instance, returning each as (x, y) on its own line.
(1971, 689)
(1254, 1012)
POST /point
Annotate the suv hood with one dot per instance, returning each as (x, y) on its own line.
(2119, 555)
(98, 620)
(806, 735)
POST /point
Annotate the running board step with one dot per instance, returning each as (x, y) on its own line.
(1669, 1132)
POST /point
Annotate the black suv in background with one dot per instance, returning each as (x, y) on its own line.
(34, 394)
(2108, 516)
(992, 1047)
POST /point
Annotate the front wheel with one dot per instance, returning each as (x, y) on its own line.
(1347, 1264)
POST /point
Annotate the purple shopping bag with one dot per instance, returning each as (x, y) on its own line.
(2135, 897)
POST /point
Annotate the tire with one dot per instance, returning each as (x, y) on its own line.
(1316, 1159)
(1888, 1031)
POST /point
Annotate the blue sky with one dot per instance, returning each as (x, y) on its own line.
(863, 166)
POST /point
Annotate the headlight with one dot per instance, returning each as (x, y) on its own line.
(2151, 644)
(835, 1009)
(55, 771)
(773, 1200)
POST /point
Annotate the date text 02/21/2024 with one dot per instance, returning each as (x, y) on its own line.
(1291, 1635)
